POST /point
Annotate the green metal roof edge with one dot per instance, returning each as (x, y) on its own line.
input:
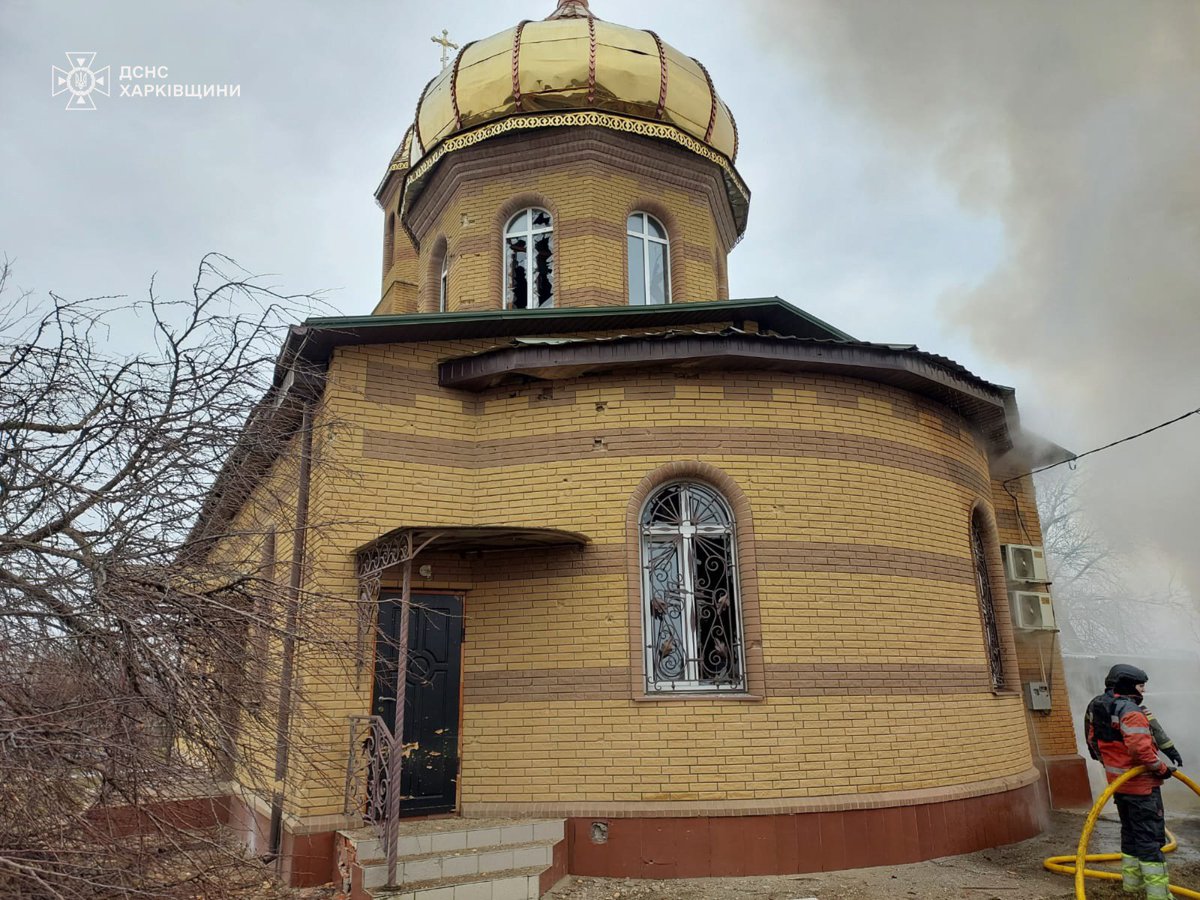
(335, 323)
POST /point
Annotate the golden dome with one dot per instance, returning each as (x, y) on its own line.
(575, 61)
(572, 69)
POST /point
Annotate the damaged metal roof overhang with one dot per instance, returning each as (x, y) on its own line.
(766, 333)
(991, 408)
(762, 333)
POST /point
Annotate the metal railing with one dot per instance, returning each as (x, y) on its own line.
(367, 770)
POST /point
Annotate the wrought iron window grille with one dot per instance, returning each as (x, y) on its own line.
(690, 600)
(987, 607)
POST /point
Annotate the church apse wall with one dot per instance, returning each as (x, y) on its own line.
(844, 479)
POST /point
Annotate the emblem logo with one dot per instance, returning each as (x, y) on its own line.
(80, 81)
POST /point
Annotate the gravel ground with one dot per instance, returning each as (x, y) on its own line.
(1008, 873)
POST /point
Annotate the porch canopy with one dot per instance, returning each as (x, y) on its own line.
(400, 546)
(468, 538)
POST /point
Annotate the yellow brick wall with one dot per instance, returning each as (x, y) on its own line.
(1038, 653)
(271, 506)
(397, 458)
(590, 199)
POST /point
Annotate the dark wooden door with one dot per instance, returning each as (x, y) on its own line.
(430, 774)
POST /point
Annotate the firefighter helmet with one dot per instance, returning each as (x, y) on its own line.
(1126, 673)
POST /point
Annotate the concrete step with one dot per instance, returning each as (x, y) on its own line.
(515, 884)
(460, 834)
(473, 861)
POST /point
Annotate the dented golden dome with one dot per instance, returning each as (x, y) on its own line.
(574, 69)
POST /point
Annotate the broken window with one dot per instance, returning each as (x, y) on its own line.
(649, 260)
(691, 605)
(529, 260)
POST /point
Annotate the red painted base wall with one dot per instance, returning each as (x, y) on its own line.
(308, 859)
(802, 842)
(731, 846)
(1067, 778)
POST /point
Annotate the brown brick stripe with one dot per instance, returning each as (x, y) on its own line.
(569, 149)
(783, 680)
(541, 449)
(1007, 521)
(395, 385)
(805, 679)
(772, 556)
(862, 559)
(546, 685)
(656, 390)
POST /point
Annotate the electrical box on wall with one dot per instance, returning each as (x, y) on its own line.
(1024, 563)
(1037, 696)
(1032, 611)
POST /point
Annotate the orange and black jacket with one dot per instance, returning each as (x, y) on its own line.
(1118, 734)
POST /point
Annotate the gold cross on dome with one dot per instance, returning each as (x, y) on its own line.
(447, 45)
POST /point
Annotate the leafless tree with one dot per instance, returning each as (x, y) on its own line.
(121, 670)
(1108, 609)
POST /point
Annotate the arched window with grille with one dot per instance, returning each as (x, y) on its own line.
(529, 260)
(691, 603)
(649, 260)
(987, 605)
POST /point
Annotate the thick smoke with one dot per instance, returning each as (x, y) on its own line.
(1077, 123)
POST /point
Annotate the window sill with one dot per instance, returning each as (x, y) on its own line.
(1005, 693)
(694, 696)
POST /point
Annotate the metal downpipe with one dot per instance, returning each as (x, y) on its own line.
(286, 674)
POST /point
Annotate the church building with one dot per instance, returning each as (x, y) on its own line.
(687, 585)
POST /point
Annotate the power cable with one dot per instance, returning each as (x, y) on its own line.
(1074, 459)
(1071, 461)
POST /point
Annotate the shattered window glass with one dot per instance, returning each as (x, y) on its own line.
(529, 276)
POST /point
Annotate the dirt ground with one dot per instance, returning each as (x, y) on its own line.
(1008, 873)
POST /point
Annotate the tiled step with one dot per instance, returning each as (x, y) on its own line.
(455, 863)
(459, 859)
(462, 835)
(516, 884)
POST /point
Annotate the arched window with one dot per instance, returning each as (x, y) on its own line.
(389, 242)
(529, 260)
(690, 600)
(649, 261)
(987, 607)
(444, 283)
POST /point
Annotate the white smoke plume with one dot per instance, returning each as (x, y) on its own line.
(1077, 123)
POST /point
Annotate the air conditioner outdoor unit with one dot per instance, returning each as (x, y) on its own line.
(1032, 611)
(1023, 563)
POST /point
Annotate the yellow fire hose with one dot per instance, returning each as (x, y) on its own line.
(1076, 865)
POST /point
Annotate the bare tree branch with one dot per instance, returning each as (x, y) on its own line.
(122, 678)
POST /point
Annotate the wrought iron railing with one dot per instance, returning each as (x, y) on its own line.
(375, 759)
(367, 770)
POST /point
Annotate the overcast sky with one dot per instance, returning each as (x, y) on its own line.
(1012, 183)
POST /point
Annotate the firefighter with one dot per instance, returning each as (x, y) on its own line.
(1119, 736)
(1162, 740)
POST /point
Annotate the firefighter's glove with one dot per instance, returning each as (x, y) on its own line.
(1173, 755)
(1166, 771)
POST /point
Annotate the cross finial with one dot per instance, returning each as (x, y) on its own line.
(447, 45)
(571, 9)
